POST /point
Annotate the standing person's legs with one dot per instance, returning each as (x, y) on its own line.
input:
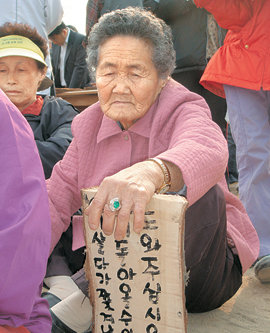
(190, 79)
(249, 114)
(218, 107)
(232, 166)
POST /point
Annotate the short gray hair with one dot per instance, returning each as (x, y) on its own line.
(137, 23)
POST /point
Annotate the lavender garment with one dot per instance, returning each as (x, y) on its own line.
(24, 224)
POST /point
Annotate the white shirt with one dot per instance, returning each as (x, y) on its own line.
(62, 61)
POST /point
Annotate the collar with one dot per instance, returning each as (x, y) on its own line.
(68, 35)
(35, 107)
(107, 129)
(67, 38)
(141, 127)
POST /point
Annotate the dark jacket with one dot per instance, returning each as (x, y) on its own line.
(189, 29)
(110, 5)
(76, 71)
(52, 130)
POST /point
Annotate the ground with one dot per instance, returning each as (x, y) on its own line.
(247, 312)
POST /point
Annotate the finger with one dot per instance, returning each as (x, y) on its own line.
(123, 218)
(140, 202)
(108, 220)
(139, 211)
(86, 210)
(94, 211)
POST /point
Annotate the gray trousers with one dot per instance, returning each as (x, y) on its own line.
(249, 115)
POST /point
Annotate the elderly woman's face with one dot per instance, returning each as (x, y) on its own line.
(19, 79)
(126, 79)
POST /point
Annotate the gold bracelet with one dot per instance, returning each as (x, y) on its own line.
(167, 176)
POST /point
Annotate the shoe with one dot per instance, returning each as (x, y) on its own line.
(58, 326)
(51, 298)
(234, 188)
(262, 269)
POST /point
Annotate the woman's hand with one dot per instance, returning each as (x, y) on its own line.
(134, 187)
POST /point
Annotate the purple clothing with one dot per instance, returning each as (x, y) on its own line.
(24, 226)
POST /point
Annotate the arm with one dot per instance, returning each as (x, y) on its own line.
(58, 134)
(198, 148)
(229, 14)
(196, 156)
(64, 193)
(53, 12)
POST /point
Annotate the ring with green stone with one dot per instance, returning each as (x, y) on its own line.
(114, 204)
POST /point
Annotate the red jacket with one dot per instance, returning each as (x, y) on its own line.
(244, 59)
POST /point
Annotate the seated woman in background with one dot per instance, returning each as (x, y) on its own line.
(22, 74)
(143, 114)
(25, 227)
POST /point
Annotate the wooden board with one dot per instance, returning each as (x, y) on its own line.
(137, 285)
(80, 98)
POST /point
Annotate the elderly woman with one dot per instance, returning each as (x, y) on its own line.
(22, 74)
(146, 135)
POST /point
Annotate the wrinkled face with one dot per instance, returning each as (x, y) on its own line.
(19, 79)
(126, 79)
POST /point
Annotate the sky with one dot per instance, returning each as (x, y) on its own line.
(74, 13)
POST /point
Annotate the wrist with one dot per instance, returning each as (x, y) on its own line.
(166, 184)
